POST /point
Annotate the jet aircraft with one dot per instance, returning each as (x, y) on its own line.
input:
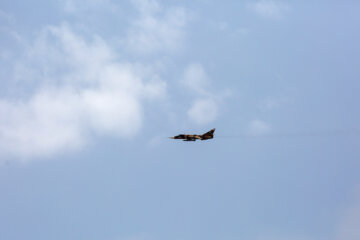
(194, 137)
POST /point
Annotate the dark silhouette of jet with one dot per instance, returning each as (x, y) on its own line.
(194, 137)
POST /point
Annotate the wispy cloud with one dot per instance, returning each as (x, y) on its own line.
(7, 22)
(76, 6)
(348, 226)
(258, 127)
(272, 103)
(6, 16)
(269, 8)
(269, 104)
(203, 111)
(157, 29)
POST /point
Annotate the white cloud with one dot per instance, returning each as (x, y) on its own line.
(269, 8)
(258, 127)
(157, 29)
(204, 108)
(48, 122)
(147, 7)
(71, 88)
(203, 111)
(195, 78)
(81, 90)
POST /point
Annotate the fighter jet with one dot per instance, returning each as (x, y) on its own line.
(194, 137)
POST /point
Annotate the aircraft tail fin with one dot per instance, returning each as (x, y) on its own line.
(209, 134)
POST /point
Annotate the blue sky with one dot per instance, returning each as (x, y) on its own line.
(92, 89)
